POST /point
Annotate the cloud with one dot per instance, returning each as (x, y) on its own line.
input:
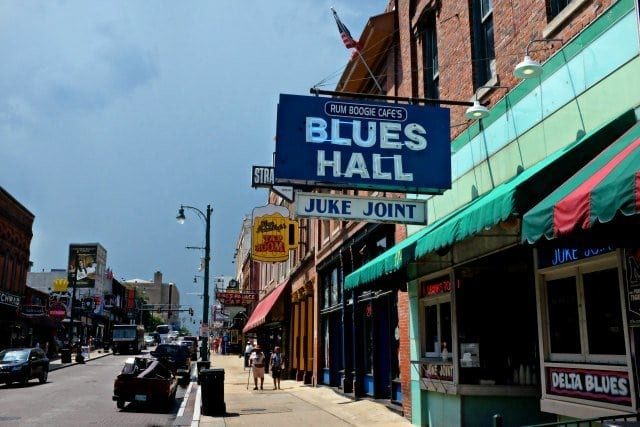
(113, 68)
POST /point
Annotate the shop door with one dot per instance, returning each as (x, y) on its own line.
(382, 364)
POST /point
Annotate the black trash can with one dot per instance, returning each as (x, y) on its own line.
(65, 355)
(212, 383)
(202, 364)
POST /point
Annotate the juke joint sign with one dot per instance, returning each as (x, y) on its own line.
(363, 145)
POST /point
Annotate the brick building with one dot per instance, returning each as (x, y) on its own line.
(474, 287)
(15, 241)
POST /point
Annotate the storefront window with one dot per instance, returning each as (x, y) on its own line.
(564, 324)
(368, 344)
(604, 314)
(584, 315)
(437, 319)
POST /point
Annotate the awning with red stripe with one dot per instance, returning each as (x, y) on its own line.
(260, 313)
(605, 187)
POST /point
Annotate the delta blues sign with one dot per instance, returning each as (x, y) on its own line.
(328, 142)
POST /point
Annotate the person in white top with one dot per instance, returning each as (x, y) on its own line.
(257, 364)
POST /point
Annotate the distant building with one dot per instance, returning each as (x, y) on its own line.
(163, 296)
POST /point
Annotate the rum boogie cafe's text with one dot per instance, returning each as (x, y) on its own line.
(366, 145)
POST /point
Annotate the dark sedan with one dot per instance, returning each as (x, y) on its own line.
(23, 364)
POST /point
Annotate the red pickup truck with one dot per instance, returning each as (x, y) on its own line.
(147, 381)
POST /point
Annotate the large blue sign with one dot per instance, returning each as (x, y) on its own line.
(328, 142)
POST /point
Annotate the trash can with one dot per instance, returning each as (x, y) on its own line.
(65, 355)
(202, 364)
(212, 383)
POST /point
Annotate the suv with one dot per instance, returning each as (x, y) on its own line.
(194, 346)
(23, 364)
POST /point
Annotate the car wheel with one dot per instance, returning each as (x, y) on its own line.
(120, 404)
(25, 379)
(43, 377)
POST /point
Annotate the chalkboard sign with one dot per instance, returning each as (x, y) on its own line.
(632, 283)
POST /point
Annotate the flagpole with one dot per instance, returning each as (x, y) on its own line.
(370, 72)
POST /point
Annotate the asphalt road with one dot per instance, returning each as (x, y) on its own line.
(79, 395)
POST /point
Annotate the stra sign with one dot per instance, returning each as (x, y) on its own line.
(334, 143)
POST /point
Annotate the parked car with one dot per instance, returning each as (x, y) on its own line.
(194, 348)
(176, 358)
(149, 341)
(145, 380)
(23, 364)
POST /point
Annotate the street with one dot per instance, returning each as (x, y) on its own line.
(79, 395)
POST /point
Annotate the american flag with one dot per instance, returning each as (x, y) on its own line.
(347, 39)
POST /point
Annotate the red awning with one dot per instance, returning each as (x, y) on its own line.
(259, 315)
(607, 186)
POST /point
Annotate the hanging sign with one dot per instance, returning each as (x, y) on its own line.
(57, 310)
(326, 142)
(9, 299)
(353, 208)
(262, 176)
(273, 235)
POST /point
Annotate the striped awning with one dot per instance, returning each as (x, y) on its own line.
(607, 186)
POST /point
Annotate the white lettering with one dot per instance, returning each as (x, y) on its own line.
(357, 166)
(377, 168)
(389, 135)
(414, 132)
(335, 134)
(316, 130)
(357, 134)
(400, 175)
(335, 163)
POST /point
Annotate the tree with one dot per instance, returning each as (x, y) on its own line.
(153, 321)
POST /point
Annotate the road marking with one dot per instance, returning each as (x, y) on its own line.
(185, 399)
(196, 410)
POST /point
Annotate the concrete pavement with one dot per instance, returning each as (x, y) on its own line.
(295, 404)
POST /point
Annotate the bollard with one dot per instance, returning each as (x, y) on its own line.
(497, 420)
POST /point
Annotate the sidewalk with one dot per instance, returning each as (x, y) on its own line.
(55, 364)
(296, 404)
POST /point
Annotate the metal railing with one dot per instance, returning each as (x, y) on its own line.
(591, 422)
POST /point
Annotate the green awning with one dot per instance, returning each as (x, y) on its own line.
(606, 186)
(511, 198)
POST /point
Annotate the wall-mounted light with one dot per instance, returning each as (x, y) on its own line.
(477, 110)
(530, 68)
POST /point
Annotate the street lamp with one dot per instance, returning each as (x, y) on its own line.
(204, 350)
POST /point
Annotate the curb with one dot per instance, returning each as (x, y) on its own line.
(58, 366)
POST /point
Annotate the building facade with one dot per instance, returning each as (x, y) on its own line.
(16, 224)
(484, 334)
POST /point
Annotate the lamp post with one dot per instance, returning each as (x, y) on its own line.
(204, 350)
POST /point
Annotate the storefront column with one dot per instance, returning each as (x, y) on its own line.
(414, 349)
(303, 354)
(309, 334)
(296, 336)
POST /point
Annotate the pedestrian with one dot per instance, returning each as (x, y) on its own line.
(277, 365)
(257, 366)
(247, 353)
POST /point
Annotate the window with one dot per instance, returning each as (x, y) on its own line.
(368, 343)
(437, 327)
(584, 315)
(554, 7)
(430, 57)
(325, 230)
(483, 45)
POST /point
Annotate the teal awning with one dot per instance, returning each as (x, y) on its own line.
(511, 198)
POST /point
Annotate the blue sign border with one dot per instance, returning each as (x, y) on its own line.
(404, 163)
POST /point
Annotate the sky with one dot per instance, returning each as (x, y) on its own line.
(113, 114)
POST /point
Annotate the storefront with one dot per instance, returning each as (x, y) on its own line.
(269, 321)
(359, 327)
(587, 280)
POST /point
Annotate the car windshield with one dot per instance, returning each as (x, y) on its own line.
(12, 356)
(168, 349)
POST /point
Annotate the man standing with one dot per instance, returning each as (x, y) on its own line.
(247, 353)
(276, 364)
(257, 364)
